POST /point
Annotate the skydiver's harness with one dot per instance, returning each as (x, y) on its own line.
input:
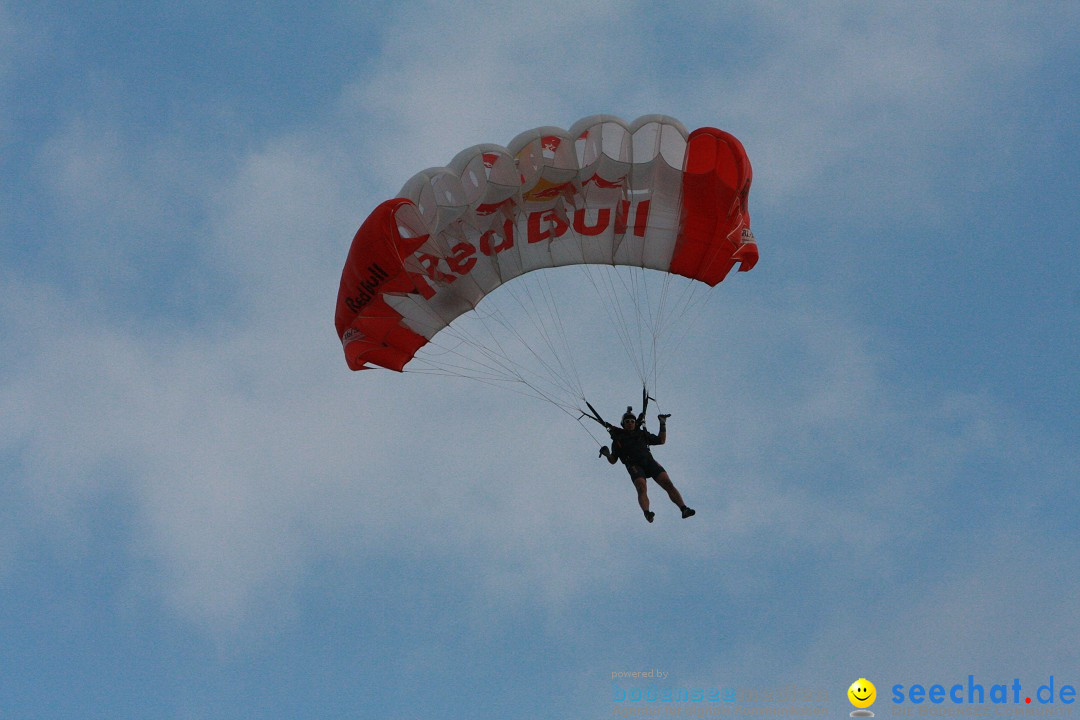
(640, 419)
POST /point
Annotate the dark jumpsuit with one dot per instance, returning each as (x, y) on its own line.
(632, 447)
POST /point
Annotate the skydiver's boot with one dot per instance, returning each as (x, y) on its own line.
(688, 512)
(649, 515)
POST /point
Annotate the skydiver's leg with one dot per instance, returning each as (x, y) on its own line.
(643, 497)
(664, 481)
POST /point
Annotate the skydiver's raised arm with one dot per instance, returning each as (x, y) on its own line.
(662, 435)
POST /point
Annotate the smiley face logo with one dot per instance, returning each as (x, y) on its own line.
(862, 693)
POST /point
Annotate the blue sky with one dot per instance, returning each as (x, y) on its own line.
(204, 514)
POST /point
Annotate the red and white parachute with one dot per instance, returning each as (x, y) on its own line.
(642, 196)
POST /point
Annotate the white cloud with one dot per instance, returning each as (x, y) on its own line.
(233, 473)
(483, 74)
(861, 104)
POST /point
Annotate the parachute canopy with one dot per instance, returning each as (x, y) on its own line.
(646, 194)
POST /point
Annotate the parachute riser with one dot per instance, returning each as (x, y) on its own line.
(645, 398)
(594, 415)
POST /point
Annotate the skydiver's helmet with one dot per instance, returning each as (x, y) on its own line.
(628, 415)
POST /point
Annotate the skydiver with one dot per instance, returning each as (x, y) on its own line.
(631, 445)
